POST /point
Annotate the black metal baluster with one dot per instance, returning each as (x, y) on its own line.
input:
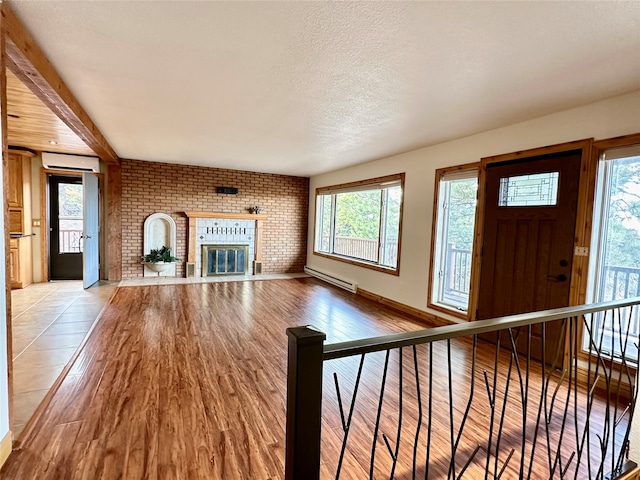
(469, 401)
(419, 398)
(548, 411)
(505, 397)
(375, 432)
(632, 390)
(600, 362)
(558, 461)
(400, 393)
(452, 464)
(573, 323)
(492, 403)
(506, 462)
(541, 404)
(348, 424)
(429, 422)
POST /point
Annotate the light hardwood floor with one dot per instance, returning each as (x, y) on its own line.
(189, 382)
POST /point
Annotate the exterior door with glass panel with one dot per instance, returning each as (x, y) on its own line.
(65, 227)
(529, 227)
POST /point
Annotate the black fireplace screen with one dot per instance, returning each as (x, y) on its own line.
(224, 259)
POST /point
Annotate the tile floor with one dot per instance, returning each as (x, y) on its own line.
(49, 322)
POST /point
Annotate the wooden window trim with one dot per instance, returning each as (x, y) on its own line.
(597, 150)
(434, 224)
(352, 261)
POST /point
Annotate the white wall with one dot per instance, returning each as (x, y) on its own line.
(605, 119)
(609, 118)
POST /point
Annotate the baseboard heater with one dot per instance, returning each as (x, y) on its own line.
(338, 282)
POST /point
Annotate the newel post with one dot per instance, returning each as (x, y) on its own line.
(304, 403)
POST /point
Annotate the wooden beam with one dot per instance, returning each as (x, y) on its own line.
(5, 201)
(27, 61)
(114, 213)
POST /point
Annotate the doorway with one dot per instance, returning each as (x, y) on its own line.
(529, 231)
(65, 227)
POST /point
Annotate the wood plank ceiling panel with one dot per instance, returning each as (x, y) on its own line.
(33, 125)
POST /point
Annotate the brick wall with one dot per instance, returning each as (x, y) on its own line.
(150, 187)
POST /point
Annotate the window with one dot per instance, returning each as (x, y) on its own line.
(529, 190)
(615, 260)
(456, 192)
(361, 222)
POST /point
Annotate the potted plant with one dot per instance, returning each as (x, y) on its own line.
(159, 259)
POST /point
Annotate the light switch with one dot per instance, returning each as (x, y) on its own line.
(581, 251)
(36, 222)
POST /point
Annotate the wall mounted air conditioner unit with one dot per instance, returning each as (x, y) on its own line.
(60, 161)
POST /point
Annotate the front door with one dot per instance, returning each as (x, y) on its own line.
(529, 228)
(90, 259)
(65, 227)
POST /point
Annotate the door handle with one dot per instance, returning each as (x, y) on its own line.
(85, 236)
(558, 278)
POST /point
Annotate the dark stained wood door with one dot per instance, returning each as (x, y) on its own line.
(528, 247)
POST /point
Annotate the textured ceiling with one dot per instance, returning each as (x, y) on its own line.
(307, 87)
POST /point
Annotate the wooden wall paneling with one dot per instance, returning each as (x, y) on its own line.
(31, 66)
(114, 221)
(33, 125)
(5, 179)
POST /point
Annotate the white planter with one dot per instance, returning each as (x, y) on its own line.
(158, 267)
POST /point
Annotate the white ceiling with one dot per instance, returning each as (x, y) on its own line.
(307, 87)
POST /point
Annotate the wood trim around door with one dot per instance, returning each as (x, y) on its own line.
(44, 218)
(577, 272)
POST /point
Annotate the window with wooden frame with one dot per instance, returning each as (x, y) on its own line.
(455, 200)
(614, 268)
(361, 222)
